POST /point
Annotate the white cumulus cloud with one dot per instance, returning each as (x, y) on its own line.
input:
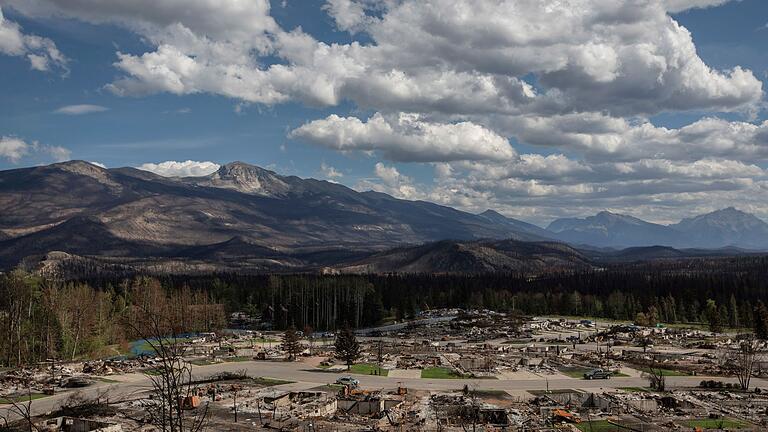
(41, 52)
(330, 172)
(406, 137)
(600, 137)
(14, 149)
(613, 56)
(390, 181)
(80, 109)
(180, 169)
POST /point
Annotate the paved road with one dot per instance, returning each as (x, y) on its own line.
(132, 385)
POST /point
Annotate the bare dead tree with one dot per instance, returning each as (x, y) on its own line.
(742, 361)
(20, 411)
(154, 319)
(655, 375)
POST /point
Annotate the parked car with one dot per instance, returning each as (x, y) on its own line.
(598, 374)
(348, 381)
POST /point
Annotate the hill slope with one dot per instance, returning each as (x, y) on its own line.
(473, 257)
(80, 208)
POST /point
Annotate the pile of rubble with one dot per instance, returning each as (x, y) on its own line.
(111, 366)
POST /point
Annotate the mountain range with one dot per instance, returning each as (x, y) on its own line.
(722, 228)
(243, 216)
(82, 209)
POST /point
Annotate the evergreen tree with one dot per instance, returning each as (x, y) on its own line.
(734, 310)
(713, 317)
(722, 316)
(291, 344)
(347, 347)
(760, 320)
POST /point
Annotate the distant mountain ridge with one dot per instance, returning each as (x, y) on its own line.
(607, 229)
(719, 229)
(497, 256)
(726, 227)
(82, 209)
(246, 217)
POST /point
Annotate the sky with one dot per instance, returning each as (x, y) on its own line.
(538, 109)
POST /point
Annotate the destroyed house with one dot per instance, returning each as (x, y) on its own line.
(70, 424)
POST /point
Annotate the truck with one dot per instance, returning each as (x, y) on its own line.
(598, 374)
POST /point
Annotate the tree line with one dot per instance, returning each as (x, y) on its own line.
(729, 291)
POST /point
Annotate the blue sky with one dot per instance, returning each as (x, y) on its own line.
(153, 128)
(462, 149)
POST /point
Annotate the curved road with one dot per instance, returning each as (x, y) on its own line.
(305, 377)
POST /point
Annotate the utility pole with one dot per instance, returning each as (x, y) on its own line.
(380, 357)
(53, 374)
(235, 388)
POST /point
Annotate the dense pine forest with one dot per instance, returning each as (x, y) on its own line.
(41, 318)
(666, 291)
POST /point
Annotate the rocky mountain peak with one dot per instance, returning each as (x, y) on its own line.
(493, 215)
(728, 218)
(247, 178)
(79, 167)
(87, 169)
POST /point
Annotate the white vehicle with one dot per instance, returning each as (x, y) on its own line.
(348, 381)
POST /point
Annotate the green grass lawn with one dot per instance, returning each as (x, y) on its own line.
(265, 381)
(667, 372)
(24, 398)
(368, 369)
(106, 380)
(579, 372)
(544, 392)
(635, 389)
(598, 426)
(705, 327)
(727, 423)
(441, 373)
(575, 372)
